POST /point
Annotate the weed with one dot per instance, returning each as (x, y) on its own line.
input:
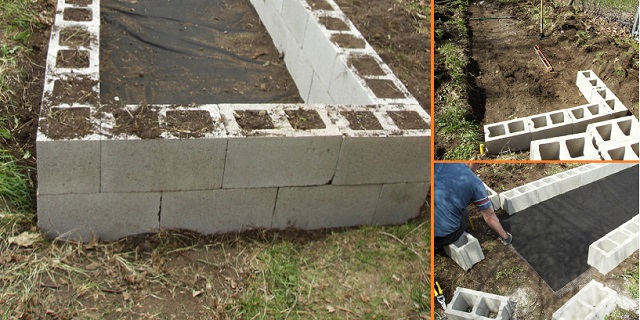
(15, 185)
(583, 37)
(508, 272)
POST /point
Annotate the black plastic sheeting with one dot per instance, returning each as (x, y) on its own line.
(554, 236)
(189, 51)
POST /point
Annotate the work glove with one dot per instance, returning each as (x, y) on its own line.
(508, 240)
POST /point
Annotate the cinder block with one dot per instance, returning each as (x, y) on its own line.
(609, 251)
(325, 206)
(162, 164)
(593, 301)
(614, 131)
(468, 304)
(494, 197)
(301, 71)
(570, 147)
(217, 211)
(68, 166)
(320, 51)
(511, 135)
(466, 251)
(318, 94)
(610, 101)
(296, 17)
(587, 81)
(400, 202)
(550, 124)
(627, 150)
(587, 114)
(109, 216)
(348, 88)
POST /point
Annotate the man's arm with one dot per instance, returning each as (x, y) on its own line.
(492, 220)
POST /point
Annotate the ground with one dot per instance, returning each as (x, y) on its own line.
(503, 272)
(360, 273)
(502, 78)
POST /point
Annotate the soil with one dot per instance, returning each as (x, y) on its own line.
(384, 89)
(361, 120)
(76, 14)
(304, 119)
(143, 121)
(253, 120)
(366, 66)
(408, 120)
(74, 90)
(67, 123)
(334, 24)
(189, 123)
(502, 271)
(75, 36)
(319, 5)
(348, 41)
(72, 59)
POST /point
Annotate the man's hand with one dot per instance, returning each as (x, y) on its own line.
(508, 240)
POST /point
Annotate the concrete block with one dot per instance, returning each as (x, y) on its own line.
(593, 301)
(109, 216)
(162, 164)
(68, 166)
(370, 160)
(466, 251)
(318, 94)
(325, 206)
(609, 251)
(550, 124)
(614, 131)
(614, 105)
(468, 304)
(587, 81)
(217, 211)
(570, 147)
(627, 150)
(348, 88)
(301, 71)
(296, 16)
(400, 202)
(587, 114)
(511, 135)
(322, 54)
(494, 197)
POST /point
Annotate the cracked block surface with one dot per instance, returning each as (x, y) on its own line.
(217, 211)
(109, 216)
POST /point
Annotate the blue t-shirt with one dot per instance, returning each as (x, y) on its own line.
(455, 188)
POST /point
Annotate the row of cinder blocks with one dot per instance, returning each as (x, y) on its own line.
(609, 251)
(615, 139)
(232, 157)
(468, 304)
(532, 193)
(110, 216)
(593, 302)
(322, 66)
(466, 251)
(520, 134)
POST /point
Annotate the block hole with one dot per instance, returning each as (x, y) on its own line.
(619, 237)
(632, 227)
(575, 310)
(335, 24)
(586, 74)
(349, 41)
(74, 90)
(79, 2)
(539, 122)
(594, 109)
(464, 302)
(253, 119)
(77, 14)
(384, 89)
(407, 120)
(578, 113)
(625, 126)
(550, 151)
(72, 59)
(605, 131)
(497, 130)
(67, 123)
(617, 153)
(634, 147)
(189, 123)
(593, 295)
(557, 117)
(75, 36)
(576, 147)
(516, 126)
(462, 241)
(593, 82)
(301, 119)
(366, 65)
(362, 120)
(606, 245)
(488, 307)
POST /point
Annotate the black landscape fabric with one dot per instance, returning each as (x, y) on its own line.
(554, 236)
(189, 51)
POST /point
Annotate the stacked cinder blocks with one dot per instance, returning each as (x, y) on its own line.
(522, 197)
(562, 134)
(466, 251)
(106, 179)
(468, 304)
(617, 139)
(593, 302)
(609, 251)
(328, 58)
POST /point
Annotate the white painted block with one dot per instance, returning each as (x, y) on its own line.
(614, 131)
(550, 124)
(68, 166)
(614, 105)
(571, 147)
(400, 202)
(466, 251)
(587, 114)
(468, 304)
(593, 301)
(494, 197)
(109, 216)
(322, 54)
(348, 88)
(325, 206)
(511, 135)
(296, 16)
(318, 94)
(218, 211)
(587, 81)
(609, 251)
(162, 164)
(627, 150)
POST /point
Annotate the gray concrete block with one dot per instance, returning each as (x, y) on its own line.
(468, 304)
(71, 166)
(217, 211)
(550, 124)
(466, 251)
(371, 160)
(320, 51)
(400, 202)
(587, 114)
(494, 197)
(609, 99)
(109, 216)
(587, 81)
(609, 251)
(296, 16)
(325, 206)
(627, 150)
(614, 131)
(162, 164)
(511, 135)
(593, 301)
(570, 147)
(254, 162)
